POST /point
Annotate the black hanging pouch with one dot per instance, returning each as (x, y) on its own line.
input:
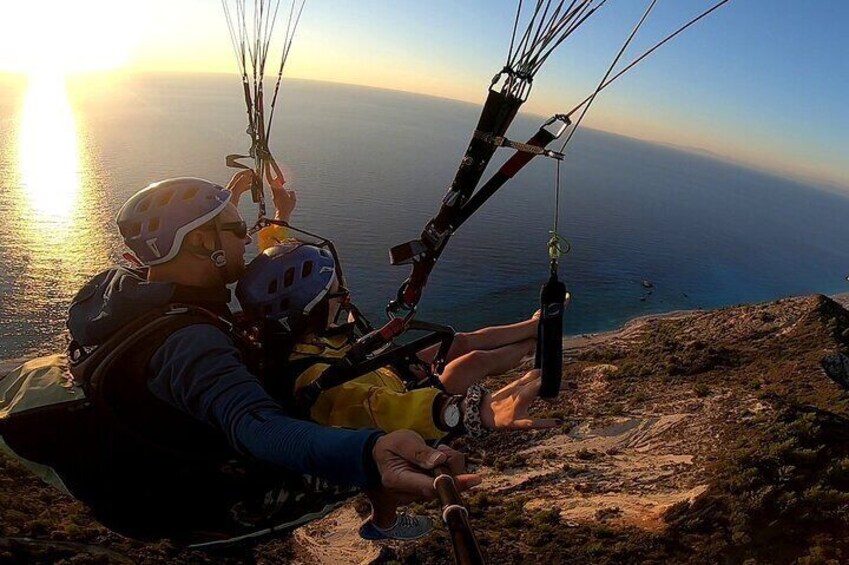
(549, 355)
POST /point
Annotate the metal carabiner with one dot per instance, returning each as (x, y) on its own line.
(557, 118)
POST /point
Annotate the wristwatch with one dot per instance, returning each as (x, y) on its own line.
(449, 415)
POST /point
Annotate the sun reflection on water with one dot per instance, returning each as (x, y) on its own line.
(48, 149)
(55, 224)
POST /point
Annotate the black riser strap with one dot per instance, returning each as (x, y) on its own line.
(507, 171)
(497, 115)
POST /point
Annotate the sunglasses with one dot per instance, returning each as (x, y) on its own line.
(239, 229)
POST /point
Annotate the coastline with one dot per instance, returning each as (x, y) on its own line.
(575, 342)
(571, 343)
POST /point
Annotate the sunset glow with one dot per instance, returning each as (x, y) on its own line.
(67, 37)
(48, 149)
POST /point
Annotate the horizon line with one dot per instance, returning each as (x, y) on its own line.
(829, 185)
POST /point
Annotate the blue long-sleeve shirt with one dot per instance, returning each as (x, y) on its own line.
(198, 370)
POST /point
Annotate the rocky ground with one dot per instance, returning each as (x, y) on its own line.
(701, 437)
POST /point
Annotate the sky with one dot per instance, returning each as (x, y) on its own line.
(763, 82)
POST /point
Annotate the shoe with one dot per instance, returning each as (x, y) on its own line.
(406, 527)
(836, 367)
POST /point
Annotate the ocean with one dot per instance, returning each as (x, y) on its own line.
(370, 167)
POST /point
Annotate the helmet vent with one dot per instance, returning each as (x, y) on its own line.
(144, 205)
(306, 270)
(289, 277)
(153, 224)
(129, 230)
(165, 198)
(272, 287)
(190, 193)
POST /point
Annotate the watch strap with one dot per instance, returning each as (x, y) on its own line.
(472, 411)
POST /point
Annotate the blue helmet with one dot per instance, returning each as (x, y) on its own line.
(287, 281)
(155, 220)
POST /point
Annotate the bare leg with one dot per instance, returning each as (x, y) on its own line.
(492, 337)
(472, 367)
(498, 336)
(382, 509)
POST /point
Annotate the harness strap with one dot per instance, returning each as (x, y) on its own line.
(500, 141)
(105, 388)
(497, 114)
(341, 371)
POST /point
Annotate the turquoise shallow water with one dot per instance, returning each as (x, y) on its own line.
(370, 167)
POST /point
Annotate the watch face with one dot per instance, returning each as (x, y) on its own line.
(451, 416)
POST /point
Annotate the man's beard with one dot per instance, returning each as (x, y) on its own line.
(233, 271)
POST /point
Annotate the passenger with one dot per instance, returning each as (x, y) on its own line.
(297, 283)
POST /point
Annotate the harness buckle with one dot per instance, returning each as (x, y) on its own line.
(500, 141)
(557, 118)
(406, 252)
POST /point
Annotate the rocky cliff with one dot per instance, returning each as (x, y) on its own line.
(699, 437)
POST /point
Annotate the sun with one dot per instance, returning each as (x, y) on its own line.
(60, 37)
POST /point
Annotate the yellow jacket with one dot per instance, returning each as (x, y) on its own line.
(378, 399)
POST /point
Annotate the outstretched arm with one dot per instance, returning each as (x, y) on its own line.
(473, 367)
(284, 200)
(284, 204)
(198, 371)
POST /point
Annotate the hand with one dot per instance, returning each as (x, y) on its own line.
(239, 184)
(403, 459)
(284, 200)
(566, 300)
(507, 409)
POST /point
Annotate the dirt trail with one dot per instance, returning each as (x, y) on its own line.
(334, 540)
